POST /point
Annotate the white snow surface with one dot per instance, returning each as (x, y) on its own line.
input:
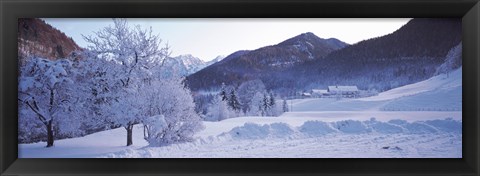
(318, 139)
(89, 146)
(439, 93)
(390, 125)
(278, 137)
(438, 82)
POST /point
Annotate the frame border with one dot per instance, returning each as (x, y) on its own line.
(11, 10)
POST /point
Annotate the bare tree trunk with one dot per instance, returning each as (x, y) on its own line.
(129, 134)
(49, 123)
(49, 134)
(144, 131)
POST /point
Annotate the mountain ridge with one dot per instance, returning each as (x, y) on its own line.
(245, 65)
(38, 38)
(409, 54)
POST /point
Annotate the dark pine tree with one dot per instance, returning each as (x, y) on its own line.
(223, 93)
(272, 100)
(233, 101)
(265, 104)
(285, 106)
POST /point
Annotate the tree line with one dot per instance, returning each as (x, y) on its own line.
(116, 83)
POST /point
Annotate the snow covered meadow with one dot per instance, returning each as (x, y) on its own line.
(354, 128)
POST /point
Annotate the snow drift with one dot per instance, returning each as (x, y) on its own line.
(319, 139)
(313, 128)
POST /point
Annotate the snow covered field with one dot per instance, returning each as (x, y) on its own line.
(421, 120)
(312, 139)
(89, 146)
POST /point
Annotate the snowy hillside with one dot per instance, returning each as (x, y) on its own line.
(439, 82)
(439, 93)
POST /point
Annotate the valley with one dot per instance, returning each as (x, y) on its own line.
(352, 128)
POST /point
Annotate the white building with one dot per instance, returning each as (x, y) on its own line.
(306, 95)
(318, 93)
(344, 91)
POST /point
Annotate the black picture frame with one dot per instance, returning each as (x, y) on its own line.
(11, 10)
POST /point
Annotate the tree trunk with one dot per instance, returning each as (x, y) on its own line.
(144, 132)
(49, 134)
(129, 135)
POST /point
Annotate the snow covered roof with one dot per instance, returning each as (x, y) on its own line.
(319, 91)
(343, 88)
(306, 94)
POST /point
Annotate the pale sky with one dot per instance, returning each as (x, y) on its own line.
(207, 38)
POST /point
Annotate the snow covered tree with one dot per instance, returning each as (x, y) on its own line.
(202, 101)
(30, 128)
(272, 109)
(153, 125)
(45, 88)
(453, 60)
(218, 110)
(247, 90)
(233, 101)
(133, 52)
(223, 92)
(97, 86)
(256, 107)
(172, 117)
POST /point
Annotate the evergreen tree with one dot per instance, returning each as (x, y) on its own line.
(265, 104)
(285, 105)
(272, 100)
(223, 93)
(233, 101)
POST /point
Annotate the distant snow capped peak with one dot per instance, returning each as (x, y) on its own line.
(190, 63)
(217, 59)
(186, 64)
(189, 60)
(308, 34)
